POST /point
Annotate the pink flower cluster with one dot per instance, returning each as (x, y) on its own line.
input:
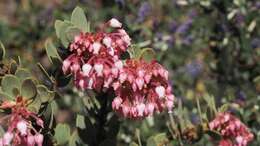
(20, 129)
(142, 89)
(233, 131)
(94, 61)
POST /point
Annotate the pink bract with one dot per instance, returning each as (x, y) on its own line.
(20, 129)
(233, 131)
(95, 57)
(142, 90)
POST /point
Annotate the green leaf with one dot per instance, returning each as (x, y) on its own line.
(133, 144)
(80, 122)
(224, 107)
(151, 141)
(22, 73)
(61, 27)
(44, 93)
(71, 32)
(147, 54)
(28, 89)
(78, 18)
(35, 105)
(11, 85)
(13, 66)
(4, 97)
(62, 134)
(159, 139)
(51, 50)
(73, 139)
(58, 27)
(2, 51)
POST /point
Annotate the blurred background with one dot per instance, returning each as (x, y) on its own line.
(210, 47)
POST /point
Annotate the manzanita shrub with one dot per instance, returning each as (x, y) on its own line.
(112, 79)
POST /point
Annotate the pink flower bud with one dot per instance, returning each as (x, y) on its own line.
(86, 69)
(38, 139)
(65, 65)
(149, 108)
(30, 140)
(115, 23)
(107, 41)
(119, 64)
(96, 47)
(125, 110)
(122, 77)
(139, 82)
(160, 90)
(7, 138)
(99, 69)
(39, 122)
(116, 103)
(140, 109)
(22, 127)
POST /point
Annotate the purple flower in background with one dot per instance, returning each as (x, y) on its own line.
(239, 18)
(240, 95)
(143, 11)
(45, 16)
(183, 28)
(173, 26)
(159, 36)
(255, 43)
(120, 2)
(187, 40)
(257, 5)
(194, 68)
(192, 13)
(171, 42)
(194, 119)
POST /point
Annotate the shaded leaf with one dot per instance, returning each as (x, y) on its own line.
(108, 142)
(133, 144)
(35, 105)
(44, 93)
(11, 85)
(215, 135)
(13, 66)
(28, 89)
(22, 73)
(2, 51)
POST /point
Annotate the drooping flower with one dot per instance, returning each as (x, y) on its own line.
(20, 129)
(95, 57)
(233, 131)
(142, 89)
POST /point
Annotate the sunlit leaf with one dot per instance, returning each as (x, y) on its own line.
(62, 134)
(79, 19)
(80, 122)
(51, 50)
